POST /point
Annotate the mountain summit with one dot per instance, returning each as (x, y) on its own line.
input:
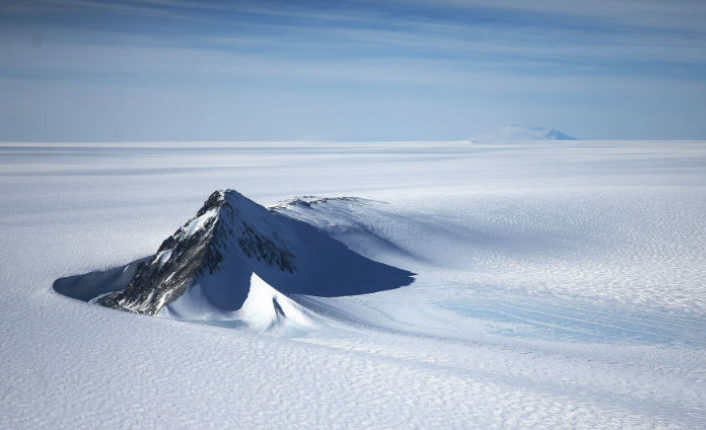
(238, 260)
(519, 132)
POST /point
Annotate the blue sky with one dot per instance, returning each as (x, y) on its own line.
(328, 70)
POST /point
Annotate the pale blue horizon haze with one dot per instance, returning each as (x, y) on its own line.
(88, 70)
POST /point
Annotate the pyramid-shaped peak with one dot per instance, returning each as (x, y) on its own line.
(241, 262)
(219, 198)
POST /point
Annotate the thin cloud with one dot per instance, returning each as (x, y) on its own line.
(505, 51)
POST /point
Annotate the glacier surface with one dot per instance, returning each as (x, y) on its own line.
(559, 285)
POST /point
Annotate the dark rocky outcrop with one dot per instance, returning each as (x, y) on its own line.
(230, 239)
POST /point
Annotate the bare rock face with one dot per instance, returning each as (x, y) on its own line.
(198, 248)
(215, 255)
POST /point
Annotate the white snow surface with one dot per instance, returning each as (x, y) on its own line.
(258, 312)
(559, 285)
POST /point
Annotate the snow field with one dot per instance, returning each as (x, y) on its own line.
(561, 285)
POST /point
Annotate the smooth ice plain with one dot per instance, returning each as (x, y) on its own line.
(560, 284)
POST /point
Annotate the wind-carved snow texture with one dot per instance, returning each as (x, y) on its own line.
(560, 285)
(230, 245)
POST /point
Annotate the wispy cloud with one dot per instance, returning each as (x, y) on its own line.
(500, 51)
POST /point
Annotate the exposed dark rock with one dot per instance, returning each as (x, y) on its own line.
(232, 237)
(196, 249)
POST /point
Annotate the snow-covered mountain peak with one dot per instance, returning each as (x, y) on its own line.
(226, 229)
(516, 132)
(214, 201)
(205, 269)
(229, 198)
(309, 201)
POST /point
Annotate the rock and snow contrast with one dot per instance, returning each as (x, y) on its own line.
(221, 265)
(541, 285)
(517, 132)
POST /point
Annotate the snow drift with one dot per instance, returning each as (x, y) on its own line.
(236, 261)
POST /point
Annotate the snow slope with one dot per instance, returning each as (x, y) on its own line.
(211, 268)
(558, 286)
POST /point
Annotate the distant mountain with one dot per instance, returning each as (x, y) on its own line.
(519, 132)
